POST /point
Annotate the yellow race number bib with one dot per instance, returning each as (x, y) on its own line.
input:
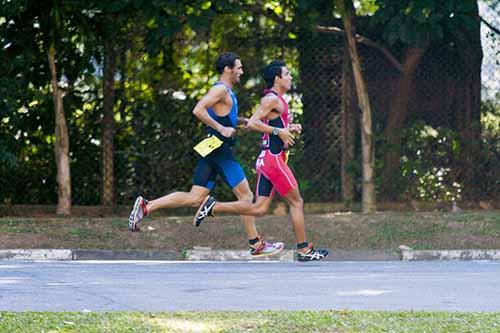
(208, 145)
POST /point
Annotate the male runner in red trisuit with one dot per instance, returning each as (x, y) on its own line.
(273, 174)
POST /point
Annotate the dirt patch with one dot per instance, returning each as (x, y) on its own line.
(13, 241)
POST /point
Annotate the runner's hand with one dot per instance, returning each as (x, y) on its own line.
(245, 123)
(286, 137)
(297, 128)
(228, 132)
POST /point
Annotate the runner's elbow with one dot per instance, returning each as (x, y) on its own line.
(198, 111)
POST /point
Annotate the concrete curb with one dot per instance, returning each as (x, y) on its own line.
(363, 255)
(470, 254)
(36, 254)
(69, 254)
(207, 254)
(230, 255)
(126, 255)
(196, 254)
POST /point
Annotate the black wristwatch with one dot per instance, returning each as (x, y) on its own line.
(276, 131)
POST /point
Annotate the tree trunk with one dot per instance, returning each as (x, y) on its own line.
(62, 141)
(398, 112)
(368, 151)
(108, 124)
(349, 108)
(468, 111)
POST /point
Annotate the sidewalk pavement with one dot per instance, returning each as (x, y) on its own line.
(208, 254)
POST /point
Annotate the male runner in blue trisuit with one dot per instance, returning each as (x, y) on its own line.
(218, 109)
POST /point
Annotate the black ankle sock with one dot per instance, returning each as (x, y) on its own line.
(253, 241)
(302, 245)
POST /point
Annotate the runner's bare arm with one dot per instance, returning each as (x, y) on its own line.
(215, 95)
(243, 121)
(267, 105)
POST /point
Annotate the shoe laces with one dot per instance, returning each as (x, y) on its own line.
(204, 213)
(309, 251)
(261, 243)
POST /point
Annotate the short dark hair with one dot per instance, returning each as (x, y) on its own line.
(226, 59)
(272, 70)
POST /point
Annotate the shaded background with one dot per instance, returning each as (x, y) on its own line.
(437, 121)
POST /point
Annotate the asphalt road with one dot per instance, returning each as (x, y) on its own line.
(176, 286)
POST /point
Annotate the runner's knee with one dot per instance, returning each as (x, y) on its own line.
(297, 202)
(246, 197)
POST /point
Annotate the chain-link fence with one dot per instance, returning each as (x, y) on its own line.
(436, 121)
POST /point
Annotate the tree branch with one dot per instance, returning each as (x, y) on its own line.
(366, 41)
(490, 26)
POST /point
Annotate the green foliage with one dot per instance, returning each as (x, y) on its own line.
(366, 7)
(166, 51)
(418, 23)
(490, 157)
(429, 160)
(426, 163)
(490, 116)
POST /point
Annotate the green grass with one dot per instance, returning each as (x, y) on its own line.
(394, 231)
(345, 231)
(262, 321)
(19, 226)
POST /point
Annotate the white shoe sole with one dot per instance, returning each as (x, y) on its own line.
(132, 220)
(260, 255)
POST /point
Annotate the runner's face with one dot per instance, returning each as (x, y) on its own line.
(286, 78)
(237, 71)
